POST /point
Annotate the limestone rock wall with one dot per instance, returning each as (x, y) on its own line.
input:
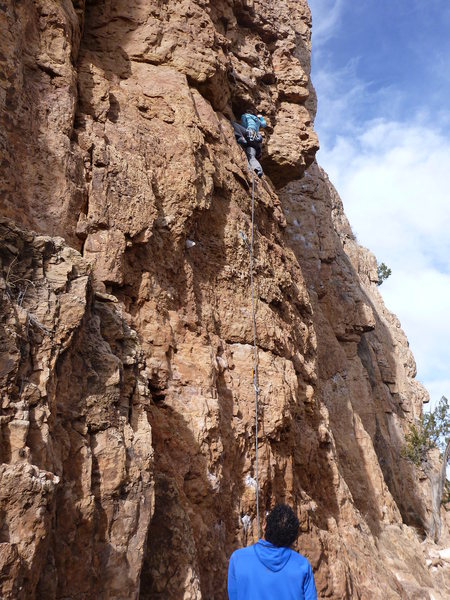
(127, 426)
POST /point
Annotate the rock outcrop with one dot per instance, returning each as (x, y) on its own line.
(77, 488)
(127, 427)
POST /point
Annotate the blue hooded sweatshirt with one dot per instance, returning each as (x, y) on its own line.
(266, 572)
(250, 121)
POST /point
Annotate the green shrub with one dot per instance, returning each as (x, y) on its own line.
(432, 431)
(417, 444)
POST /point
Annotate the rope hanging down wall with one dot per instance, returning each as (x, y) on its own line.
(250, 247)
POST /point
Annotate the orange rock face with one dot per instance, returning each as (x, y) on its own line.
(126, 359)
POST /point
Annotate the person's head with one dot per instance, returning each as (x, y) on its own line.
(281, 526)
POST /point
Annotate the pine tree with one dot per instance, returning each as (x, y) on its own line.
(432, 431)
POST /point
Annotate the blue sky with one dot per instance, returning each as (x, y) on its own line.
(381, 69)
(399, 48)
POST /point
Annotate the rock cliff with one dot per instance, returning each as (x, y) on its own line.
(126, 359)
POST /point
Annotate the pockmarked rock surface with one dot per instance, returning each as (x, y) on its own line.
(126, 358)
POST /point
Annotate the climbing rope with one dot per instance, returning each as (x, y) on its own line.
(255, 353)
(250, 247)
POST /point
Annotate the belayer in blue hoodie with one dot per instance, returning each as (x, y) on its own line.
(269, 569)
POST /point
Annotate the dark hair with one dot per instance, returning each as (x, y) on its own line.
(282, 526)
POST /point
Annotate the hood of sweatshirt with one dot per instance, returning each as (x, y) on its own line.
(272, 557)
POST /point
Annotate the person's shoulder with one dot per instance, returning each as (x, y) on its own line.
(241, 552)
(243, 555)
(300, 560)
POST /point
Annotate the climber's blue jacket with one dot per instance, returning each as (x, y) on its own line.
(266, 572)
(250, 121)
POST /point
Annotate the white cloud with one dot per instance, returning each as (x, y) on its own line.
(421, 298)
(326, 14)
(338, 92)
(395, 184)
(437, 389)
(346, 102)
(387, 151)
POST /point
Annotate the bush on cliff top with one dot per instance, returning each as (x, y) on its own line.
(383, 272)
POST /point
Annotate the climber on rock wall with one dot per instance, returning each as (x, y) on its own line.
(248, 137)
(269, 569)
(252, 124)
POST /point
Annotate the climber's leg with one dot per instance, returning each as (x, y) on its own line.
(254, 164)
